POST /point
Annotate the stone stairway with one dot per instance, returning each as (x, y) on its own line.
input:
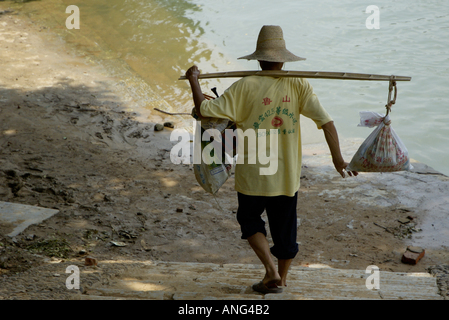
(207, 281)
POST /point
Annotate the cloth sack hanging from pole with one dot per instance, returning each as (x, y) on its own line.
(383, 150)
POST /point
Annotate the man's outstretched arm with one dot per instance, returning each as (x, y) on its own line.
(198, 97)
(330, 133)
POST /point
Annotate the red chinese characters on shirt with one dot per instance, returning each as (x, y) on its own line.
(286, 99)
(267, 101)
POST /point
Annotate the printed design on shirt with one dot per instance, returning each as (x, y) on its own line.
(266, 133)
(277, 122)
(264, 116)
(267, 101)
(280, 114)
(286, 99)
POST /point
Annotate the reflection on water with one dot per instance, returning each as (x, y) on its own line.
(153, 37)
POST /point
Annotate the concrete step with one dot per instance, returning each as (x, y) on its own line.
(206, 281)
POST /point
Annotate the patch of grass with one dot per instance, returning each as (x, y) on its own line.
(59, 248)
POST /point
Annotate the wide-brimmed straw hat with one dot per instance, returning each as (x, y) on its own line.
(271, 47)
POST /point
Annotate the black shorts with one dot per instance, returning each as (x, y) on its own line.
(281, 212)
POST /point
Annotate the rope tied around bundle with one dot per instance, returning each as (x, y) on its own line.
(390, 102)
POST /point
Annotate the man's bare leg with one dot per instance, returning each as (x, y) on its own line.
(284, 265)
(260, 245)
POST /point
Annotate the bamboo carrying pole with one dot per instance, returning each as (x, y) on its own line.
(302, 74)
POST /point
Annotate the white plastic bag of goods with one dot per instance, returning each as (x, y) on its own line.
(383, 150)
(213, 175)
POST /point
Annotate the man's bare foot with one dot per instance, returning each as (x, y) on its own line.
(271, 281)
(281, 283)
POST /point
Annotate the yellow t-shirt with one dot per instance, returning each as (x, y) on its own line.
(262, 103)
